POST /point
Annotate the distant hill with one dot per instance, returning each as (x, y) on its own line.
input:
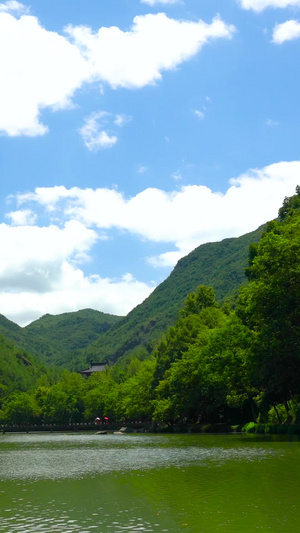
(70, 340)
(18, 336)
(219, 264)
(68, 334)
(59, 339)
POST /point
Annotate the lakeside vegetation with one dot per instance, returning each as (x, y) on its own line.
(223, 362)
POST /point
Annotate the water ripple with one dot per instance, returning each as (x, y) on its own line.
(59, 457)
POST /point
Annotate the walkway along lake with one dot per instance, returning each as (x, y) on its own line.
(82, 482)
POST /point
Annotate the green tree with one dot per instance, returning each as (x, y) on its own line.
(21, 409)
(63, 402)
(201, 299)
(211, 381)
(101, 397)
(199, 315)
(270, 305)
(137, 393)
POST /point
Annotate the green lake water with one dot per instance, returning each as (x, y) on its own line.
(163, 483)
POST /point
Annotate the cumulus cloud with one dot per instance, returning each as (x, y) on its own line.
(23, 217)
(42, 269)
(32, 256)
(260, 5)
(135, 58)
(40, 272)
(44, 64)
(287, 31)
(50, 67)
(186, 217)
(75, 291)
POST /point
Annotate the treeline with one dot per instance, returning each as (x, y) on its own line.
(218, 364)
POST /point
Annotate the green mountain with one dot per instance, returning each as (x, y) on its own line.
(67, 334)
(219, 264)
(70, 340)
(19, 371)
(59, 339)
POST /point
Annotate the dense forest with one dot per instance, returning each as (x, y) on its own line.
(60, 339)
(232, 362)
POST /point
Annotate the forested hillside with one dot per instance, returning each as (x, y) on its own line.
(218, 364)
(219, 264)
(69, 333)
(71, 340)
(59, 339)
(19, 371)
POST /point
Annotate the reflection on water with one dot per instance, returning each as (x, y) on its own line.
(63, 456)
(85, 482)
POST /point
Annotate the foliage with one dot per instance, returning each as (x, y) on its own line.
(215, 366)
(136, 394)
(219, 265)
(19, 371)
(269, 305)
(20, 408)
(209, 379)
(69, 333)
(62, 402)
(201, 299)
(60, 339)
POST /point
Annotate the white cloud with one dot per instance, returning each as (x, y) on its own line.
(199, 114)
(260, 5)
(286, 32)
(14, 6)
(270, 122)
(120, 120)
(94, 137)
(177, 176)
(63, 63)
(42, 268)
(167, 259)
(142, 169)
(50, 80)
(75, 291)
(32, 253)
(98, 130)
(162, 2)
(186, 217)
(155, 43)
(39, 273)
(23, 217)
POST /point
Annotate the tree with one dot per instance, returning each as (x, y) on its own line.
(62, 403)
(101, 398)
(290, 205)
(201, 299)
(21, 409)
(137, 393)
(270, 305)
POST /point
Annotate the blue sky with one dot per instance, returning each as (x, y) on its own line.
(131, 132)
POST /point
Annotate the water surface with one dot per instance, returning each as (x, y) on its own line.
(110, 483)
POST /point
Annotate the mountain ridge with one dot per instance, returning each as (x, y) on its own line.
(220, 264)
(71, 340)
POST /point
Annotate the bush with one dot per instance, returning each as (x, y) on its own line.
(250, 427)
